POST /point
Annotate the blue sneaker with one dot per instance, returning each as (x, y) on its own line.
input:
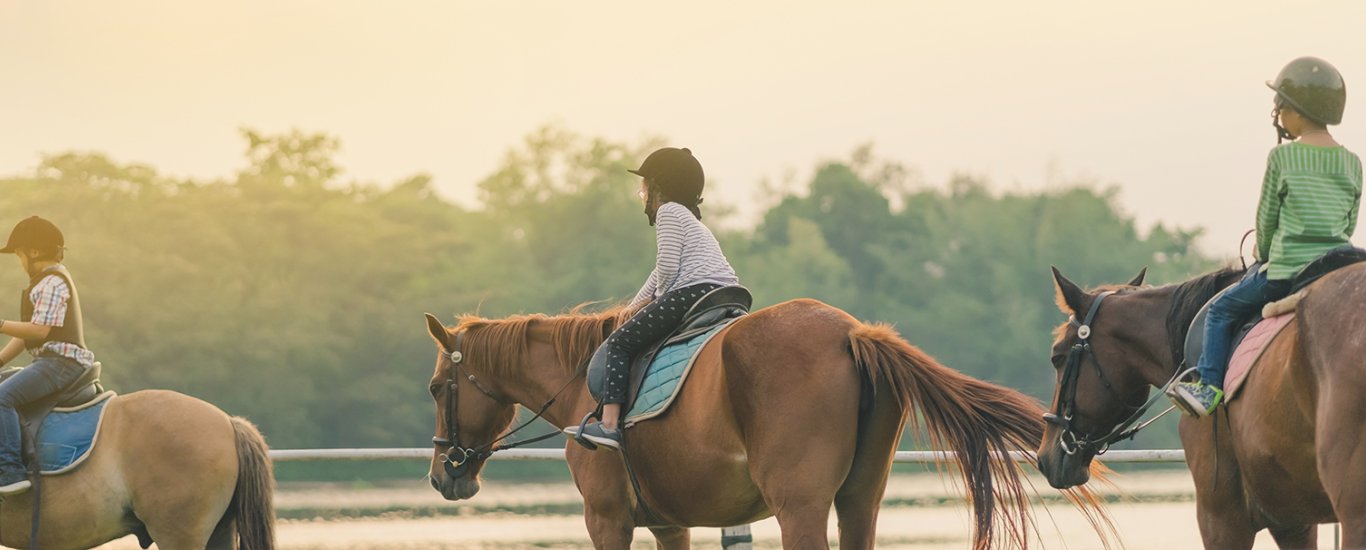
(597, 434)
(1197, 399)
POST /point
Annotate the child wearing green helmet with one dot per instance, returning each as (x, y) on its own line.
(1310, 198)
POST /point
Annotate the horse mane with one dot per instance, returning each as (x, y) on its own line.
(499, 346)
(1187, 299)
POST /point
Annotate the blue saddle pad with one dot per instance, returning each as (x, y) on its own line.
(665, 374)
(67, 437)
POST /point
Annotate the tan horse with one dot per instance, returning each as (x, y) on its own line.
(166, 467)
(1288, 453)
(788, 411)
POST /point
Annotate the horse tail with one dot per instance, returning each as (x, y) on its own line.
(981, 422)
(254, 500)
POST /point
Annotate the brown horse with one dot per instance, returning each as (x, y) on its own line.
(787, 411)
(1288, 453)
(167, 467)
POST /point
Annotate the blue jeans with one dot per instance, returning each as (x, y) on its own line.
(45, 376)
(1236, 305)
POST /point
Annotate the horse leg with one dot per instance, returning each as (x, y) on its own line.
(607, 496)
(799, 481)
(672, 538)
(1298, 537)
(223, 536)
(1341, 453)
(860, 497)
(1220, 506)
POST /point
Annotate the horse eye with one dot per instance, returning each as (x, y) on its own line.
(434, 389)
(1057, 360)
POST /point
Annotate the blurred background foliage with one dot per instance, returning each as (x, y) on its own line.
(294, 296)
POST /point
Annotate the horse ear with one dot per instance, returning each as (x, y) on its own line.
(438, 332)
(1069, 296)
(1138, 279)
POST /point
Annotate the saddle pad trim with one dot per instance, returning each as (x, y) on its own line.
(682, 378)
(1250, 351)
(95, 440)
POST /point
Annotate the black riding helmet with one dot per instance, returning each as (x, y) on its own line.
(675, 175)
(35, 233)
(1314, 88)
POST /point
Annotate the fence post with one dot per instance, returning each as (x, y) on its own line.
(736, 538)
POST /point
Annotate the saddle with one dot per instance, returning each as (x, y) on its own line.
(85, 389)
(714, 308)
(1331, 261)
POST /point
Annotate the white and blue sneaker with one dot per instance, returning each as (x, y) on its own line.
(596, 433)
(1197, 399)
(14, 483)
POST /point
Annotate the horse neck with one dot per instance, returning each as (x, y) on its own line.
(1147, 312)
(543, 378)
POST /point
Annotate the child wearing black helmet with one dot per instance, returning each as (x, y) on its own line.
(688, 265)
(49, 327)
(1310, 198)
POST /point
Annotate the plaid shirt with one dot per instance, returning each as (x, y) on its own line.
(49, 309)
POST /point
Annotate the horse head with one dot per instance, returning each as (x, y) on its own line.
(470, 412)
(1101, 376)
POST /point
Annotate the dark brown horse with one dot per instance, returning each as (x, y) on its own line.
(1287, 454)
(788, 411)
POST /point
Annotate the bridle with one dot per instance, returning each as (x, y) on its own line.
(1073, 440)
(456, 466)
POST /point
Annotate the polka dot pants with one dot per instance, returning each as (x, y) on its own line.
(649, 325)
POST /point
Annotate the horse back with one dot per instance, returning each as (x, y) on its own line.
(755, 394)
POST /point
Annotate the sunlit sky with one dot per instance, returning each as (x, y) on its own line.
(1163, 99)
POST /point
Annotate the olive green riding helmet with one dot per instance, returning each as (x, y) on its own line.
(1313, 87)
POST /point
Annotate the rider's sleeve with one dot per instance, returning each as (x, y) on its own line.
(1269, 208)
(647, 292)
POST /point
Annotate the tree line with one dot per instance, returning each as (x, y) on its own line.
(292, 295)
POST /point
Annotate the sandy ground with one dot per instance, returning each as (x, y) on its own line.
(1143, 525)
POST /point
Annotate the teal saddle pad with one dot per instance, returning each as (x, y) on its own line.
(665, 374)
(68, 436)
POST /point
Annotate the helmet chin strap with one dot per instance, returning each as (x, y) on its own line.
(1281, 133)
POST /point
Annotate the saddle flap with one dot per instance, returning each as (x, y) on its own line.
(713, 308)
(1195, 335)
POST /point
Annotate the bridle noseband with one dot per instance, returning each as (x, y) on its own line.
(1072, 440)
(456, 467)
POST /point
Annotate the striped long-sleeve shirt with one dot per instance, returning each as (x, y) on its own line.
(686, 254)
(1310, 199)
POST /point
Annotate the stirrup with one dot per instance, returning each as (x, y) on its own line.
(1181, 403)
(579, 438)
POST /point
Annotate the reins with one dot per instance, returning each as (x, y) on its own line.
(1073, 440)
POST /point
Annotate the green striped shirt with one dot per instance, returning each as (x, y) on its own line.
(1309, 204)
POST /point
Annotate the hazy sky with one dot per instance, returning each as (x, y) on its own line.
(1164, 99)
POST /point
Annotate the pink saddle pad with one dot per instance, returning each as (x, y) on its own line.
(1250, 350)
